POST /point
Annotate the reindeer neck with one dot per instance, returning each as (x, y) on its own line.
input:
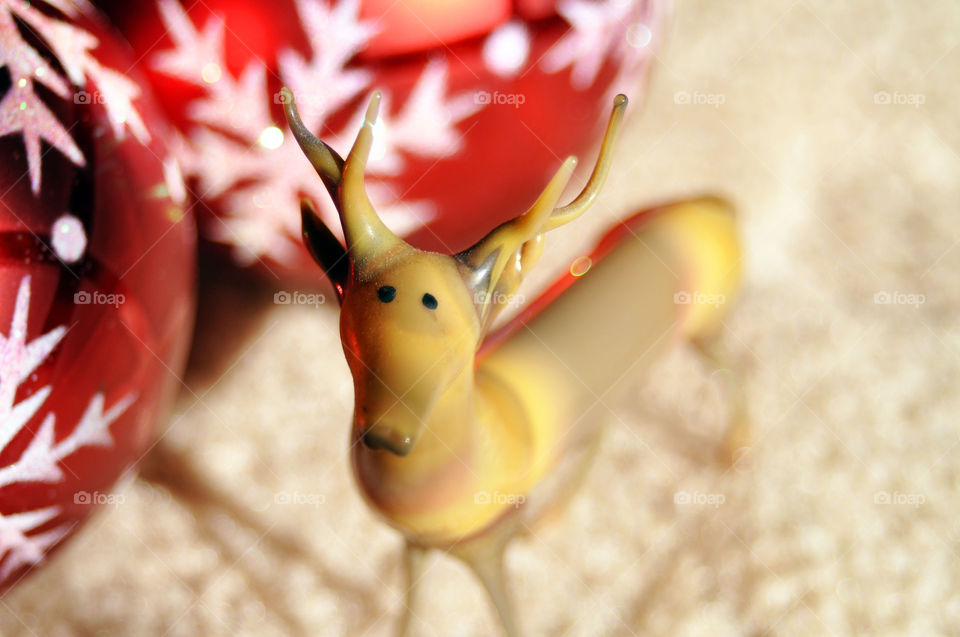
(443, 451)
(470, 445)
(452, 428)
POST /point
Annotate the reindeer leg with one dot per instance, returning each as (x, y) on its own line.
(581, 454)
(484, 556)
(414, 560)
(737, 438)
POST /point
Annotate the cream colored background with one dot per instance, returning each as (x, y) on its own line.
(839, 197)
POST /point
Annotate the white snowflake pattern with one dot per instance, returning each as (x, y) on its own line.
(624, 28)
(40, 461)
(235, 153)
(22, 111)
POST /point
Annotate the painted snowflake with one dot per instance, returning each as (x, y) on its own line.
(247, 162)
(22, 111)
(40, 461)
(237, 152)
(597, 31)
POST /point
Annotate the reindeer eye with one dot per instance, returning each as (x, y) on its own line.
(386, 293)
(429, 301)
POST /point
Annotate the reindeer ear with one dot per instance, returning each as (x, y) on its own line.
(495, 263)
(492, 293)
(324, 247)
(478, 272)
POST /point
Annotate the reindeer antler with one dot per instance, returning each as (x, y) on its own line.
(365, 234)
(325, 160)
(589, 193)
(517, 241)
(368, 238)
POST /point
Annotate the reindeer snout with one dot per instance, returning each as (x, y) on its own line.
(388, 439)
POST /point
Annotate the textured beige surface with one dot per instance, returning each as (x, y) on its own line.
(840, 198)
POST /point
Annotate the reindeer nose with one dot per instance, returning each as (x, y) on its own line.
(397, 444)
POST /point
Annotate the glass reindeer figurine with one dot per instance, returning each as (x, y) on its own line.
(455, 424)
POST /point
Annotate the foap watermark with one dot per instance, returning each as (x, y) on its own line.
(909, 499)
(896, 98)
(497, 298)
(86, 97)
(499, 99)
(98, 298)
(511, 499)
(313, 99)
(708, 499)
(694, 297)
(98, 498)
(884, 297)
(299, 497)
(303, 99)
(699, 98)
(283, 297)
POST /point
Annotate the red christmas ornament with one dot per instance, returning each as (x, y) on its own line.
(96, 274)
(476, 93)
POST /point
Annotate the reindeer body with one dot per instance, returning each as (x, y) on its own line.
(524, 406)
(454, 427)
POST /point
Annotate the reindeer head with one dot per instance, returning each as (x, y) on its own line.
(411, 321)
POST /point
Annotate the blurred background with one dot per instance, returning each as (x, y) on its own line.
(832, 128)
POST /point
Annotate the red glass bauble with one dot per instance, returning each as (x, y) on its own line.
(97, 264)
(483, 99)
